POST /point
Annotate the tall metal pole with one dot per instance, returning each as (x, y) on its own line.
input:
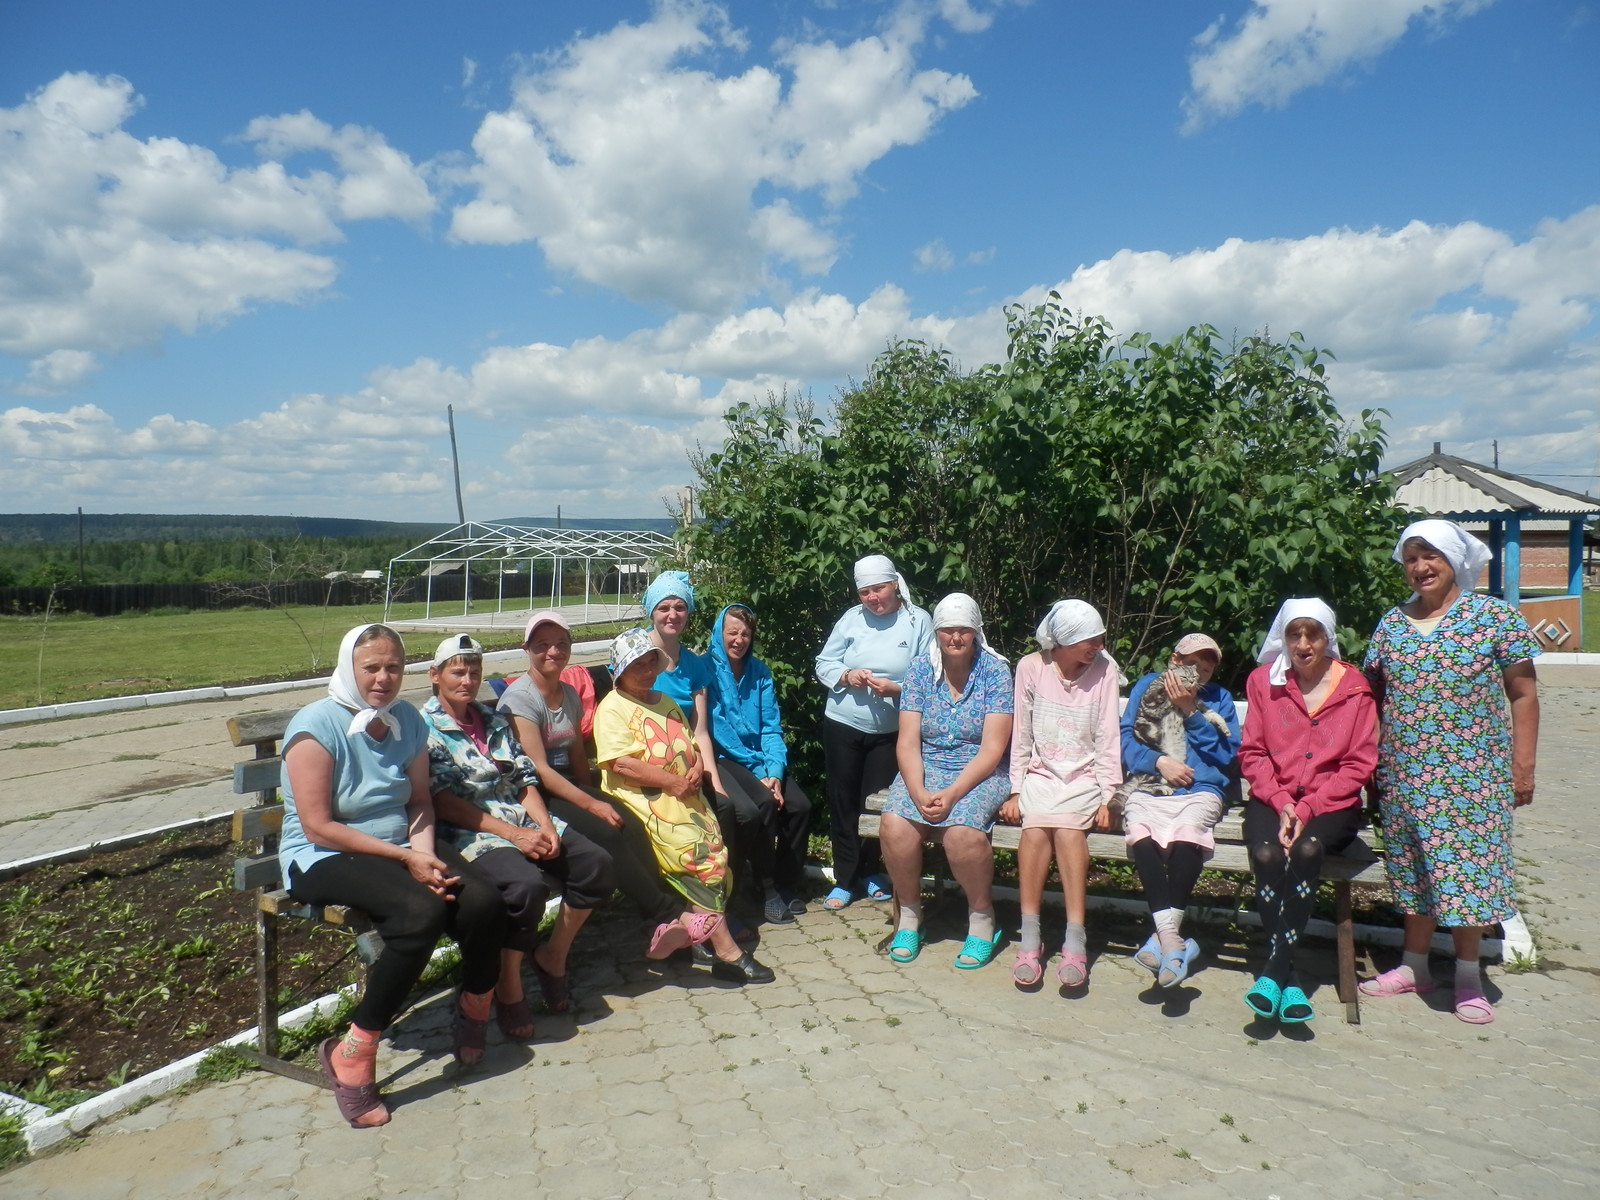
(455, 463)
(80, 544)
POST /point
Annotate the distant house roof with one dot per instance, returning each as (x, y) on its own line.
(1447, 486)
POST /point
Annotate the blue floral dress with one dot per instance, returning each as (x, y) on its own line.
(952, 732)
(1444, 766)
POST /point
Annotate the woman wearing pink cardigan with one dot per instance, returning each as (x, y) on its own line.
(1310, 744)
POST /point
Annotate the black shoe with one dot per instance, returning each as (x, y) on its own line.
(743, 969)
(701, 955)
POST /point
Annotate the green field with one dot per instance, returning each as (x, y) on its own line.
(85, 658)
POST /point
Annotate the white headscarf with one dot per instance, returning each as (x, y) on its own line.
(342, 687)
(1072, 621)
(879, 568)
(958, 610)
(1273, 650)
(1466, 555)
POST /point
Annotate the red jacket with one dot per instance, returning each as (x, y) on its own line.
(1319, 763)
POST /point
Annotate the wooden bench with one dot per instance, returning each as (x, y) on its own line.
(1360, 863)
(259, 871)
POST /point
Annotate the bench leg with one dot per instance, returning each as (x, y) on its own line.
(1344, 920)
(267, 983)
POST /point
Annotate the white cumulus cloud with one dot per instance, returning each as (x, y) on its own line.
(637, 168)
(1281, 47)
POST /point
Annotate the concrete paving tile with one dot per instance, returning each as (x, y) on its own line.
(769, 1184)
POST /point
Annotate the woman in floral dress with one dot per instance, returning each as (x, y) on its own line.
(1450, 771)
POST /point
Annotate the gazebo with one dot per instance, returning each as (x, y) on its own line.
(498, 550)
(1508, 506)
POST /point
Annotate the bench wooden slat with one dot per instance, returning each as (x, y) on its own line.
(258, 871)
(257, 775)
(251, 729)
(265, 820)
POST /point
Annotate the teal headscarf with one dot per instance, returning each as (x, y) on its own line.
(668, 583)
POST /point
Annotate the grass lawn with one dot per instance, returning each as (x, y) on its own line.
(85, 658)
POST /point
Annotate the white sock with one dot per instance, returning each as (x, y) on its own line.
(1031, 940)
(1077, 939)
(910, 917)
(981, 924)
(1417, 964)
(1468, 976)
(1169, 926)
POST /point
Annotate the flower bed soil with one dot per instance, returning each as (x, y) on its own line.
(121, 963)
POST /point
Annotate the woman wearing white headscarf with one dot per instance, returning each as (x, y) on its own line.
(955, 729)
(1451, 769)
(1066, 760)
(358, 829)
(1309, 746)
(862, 665)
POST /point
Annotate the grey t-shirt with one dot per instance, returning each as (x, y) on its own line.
(559, 728)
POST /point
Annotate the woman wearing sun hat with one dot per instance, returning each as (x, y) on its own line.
(649, 761)
(862, 665)
(1449, 666)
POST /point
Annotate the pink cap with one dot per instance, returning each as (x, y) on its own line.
(1193, 643)
(543, 618)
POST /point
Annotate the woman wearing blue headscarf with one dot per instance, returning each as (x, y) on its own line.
(771, 816)
(668, 603)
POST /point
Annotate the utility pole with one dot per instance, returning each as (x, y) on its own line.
(1496, 445)
(80, 545)
(455, 464)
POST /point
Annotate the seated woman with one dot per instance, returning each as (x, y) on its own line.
(358, 829)
(1065, 764)
(1170, 836)
(544, 711)
(490, 810)
(649, 761)
(753, 762)
(686, 679)
(955, 728)
(1310, 744)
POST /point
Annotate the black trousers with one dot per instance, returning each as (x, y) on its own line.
(771, 841)
(582, 870)
(410, 919)
(1168, 878)
(857, 764)
(633, 860)
(1286, 882)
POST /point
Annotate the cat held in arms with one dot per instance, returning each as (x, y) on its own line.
(1159, 725)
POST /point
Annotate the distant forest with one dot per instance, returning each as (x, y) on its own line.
(39, 549)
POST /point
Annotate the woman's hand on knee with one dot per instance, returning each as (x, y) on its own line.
(430, 872)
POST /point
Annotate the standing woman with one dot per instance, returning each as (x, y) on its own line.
(955, 730)
(1310, 743)
(358, 829)
(546, 712)
(1066, 761)
(1170, 837)
(754, 765)
(1444, 666)
(862, 665)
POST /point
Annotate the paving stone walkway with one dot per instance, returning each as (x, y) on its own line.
(855, 1077)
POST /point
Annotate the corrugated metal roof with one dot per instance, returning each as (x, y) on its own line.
(1449, 486)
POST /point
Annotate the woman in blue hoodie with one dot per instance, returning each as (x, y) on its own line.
(772, 816)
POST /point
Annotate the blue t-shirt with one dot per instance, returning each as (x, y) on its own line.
(691, 675)
(370, 786)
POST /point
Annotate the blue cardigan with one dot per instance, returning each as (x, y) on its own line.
(745, 724)
(1211, 756)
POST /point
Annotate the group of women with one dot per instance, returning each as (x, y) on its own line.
(463, 818)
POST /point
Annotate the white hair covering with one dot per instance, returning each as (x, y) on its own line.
(879, 568)
(958, 611)
(1072, 621)
(1273, 650)
(1466, 555)
(342, 687)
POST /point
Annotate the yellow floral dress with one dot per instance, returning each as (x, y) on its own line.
(684, 833)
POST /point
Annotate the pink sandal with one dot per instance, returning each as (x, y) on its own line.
(668, 939)
(700, 926)
(1027, 971)
(1473, 1007)
(1074, 970)
(1394, 982)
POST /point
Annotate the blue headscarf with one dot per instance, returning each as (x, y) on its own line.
(668, 583)
(730, 713)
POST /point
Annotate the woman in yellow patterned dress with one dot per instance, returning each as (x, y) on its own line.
(649, 761)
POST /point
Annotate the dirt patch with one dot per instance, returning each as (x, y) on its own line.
(118, 964)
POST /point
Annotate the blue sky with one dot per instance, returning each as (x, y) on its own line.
(249, 253)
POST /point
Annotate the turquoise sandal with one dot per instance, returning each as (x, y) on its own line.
(980, 952)
(878, 889)
(905, 945)
(1294, 1008)
(838, 899)
(1263, 998)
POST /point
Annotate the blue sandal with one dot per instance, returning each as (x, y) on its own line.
(1294, 998)
(876, 889)
(1175, 964)
(981, 952)
(1148, 955)
(905, 945)
(1263, 999)
(838, 899)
